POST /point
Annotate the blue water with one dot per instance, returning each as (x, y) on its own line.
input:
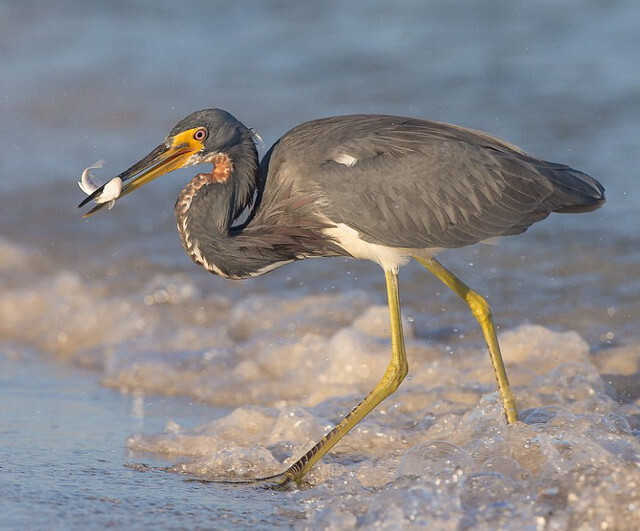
(63, 454)
(109, 334)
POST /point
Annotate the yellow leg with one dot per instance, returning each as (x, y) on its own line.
(395, 373)
(480, 309)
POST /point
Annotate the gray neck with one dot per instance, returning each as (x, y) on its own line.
(281, 228)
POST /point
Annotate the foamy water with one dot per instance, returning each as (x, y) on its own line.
(287, 368)
(126, 370)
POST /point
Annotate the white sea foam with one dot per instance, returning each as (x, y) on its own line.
(437, 453)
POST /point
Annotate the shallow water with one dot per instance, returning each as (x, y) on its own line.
(116, 350)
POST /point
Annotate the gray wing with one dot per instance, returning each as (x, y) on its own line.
(412, 183)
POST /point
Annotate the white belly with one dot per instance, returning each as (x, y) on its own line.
(389, 258)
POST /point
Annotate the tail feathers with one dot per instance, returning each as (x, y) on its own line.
(575, 191)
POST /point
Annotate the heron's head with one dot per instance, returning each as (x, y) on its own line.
(194, 140)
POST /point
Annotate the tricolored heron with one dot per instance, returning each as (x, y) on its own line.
(382, 188)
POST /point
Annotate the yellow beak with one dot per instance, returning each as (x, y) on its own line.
(163, 159)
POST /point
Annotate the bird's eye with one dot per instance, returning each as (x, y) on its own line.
(200, 134)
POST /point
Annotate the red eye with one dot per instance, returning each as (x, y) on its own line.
(200, 134)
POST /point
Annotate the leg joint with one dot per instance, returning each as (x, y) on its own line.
(394, 376)
(479, 306)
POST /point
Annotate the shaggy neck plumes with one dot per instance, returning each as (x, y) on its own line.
(275, 233)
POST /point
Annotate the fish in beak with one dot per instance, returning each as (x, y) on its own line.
(176, 152)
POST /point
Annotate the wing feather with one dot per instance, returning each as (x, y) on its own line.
(418, 184)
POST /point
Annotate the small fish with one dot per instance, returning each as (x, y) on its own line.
(111, 191)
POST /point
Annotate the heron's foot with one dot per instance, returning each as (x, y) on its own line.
(281, 481)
